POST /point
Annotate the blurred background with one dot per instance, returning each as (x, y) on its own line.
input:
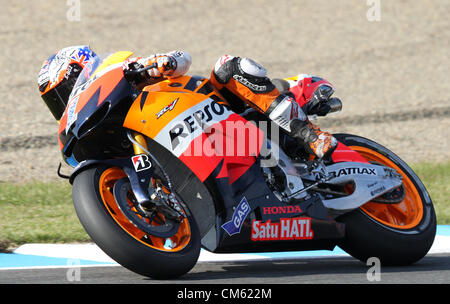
(388, 60)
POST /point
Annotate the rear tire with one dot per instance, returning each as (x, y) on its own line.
(123, 242)
(397, 234)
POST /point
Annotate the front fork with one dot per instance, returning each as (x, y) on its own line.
(164, 198)
(139, 144)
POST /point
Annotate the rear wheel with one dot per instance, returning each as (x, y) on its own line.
(150, 244)
(397, 233)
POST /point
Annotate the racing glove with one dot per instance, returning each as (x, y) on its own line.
(165, 65)
(172, 64)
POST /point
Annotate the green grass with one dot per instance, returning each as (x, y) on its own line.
(38, 213)
(436, 178)
(43, 212)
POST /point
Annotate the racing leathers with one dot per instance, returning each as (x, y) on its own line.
(247, 81)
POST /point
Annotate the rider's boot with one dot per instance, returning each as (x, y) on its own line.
(317, 142)
(290, 117)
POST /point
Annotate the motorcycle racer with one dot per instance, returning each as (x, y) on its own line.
(239, 80)
(150, 194)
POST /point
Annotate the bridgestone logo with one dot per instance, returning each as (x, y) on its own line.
(248, 84)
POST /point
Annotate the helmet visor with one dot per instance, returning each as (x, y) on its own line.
(56, 99)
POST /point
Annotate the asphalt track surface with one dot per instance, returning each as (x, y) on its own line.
(433, 269)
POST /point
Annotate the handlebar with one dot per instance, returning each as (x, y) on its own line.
(139, 71)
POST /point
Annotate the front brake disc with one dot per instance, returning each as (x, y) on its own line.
(164, 228)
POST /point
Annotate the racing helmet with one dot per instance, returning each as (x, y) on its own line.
(58, 75)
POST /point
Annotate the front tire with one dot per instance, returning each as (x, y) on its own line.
(397, 234)
(121, 240)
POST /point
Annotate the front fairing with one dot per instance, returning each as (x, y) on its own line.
(100, 87)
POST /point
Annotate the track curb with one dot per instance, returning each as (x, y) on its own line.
(32, 256)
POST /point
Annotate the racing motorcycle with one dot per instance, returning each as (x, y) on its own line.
(162, 172)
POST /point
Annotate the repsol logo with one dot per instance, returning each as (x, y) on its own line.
(354, 170)
(248, 84)
(197, 120)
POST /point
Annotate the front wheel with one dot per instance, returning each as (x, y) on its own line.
(133, 247)
(398, 233)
